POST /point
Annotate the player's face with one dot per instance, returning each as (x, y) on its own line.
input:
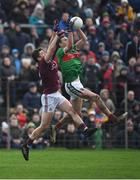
(64, 42)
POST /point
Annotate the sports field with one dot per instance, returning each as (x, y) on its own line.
(63, 163)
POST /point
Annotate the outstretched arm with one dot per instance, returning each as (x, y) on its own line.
(51, 48)
(82, 40)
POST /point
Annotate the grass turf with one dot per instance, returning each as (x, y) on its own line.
(63, 163)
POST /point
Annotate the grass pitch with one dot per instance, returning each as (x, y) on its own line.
(63, 163)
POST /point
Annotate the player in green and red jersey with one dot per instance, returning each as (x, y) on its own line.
(69, 61)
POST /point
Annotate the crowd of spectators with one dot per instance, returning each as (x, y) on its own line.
(110, 57)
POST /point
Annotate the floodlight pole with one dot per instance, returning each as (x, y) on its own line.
(126, 110)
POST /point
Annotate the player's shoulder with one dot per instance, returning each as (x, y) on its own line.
(60, 52)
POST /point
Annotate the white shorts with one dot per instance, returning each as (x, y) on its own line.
(74, 89)
(51, 101)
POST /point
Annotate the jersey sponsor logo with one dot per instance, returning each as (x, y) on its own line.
(68, 57)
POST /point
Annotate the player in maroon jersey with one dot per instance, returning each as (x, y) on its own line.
(51, 97)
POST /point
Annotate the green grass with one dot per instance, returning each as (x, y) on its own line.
(62, 163)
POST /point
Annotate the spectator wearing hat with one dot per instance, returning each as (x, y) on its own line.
(16, 61)
(28, 50)
(37, 18)
(31, 99)
(125, 11)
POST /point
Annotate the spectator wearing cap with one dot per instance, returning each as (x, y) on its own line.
(31, 99)
(16, 61)
(93, 38)
(3, 37)
(105, 25)
(125, 12)
(123, 34)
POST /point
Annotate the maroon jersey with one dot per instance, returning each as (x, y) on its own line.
(48, 72)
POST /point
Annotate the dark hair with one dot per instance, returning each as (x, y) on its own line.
(35, 54)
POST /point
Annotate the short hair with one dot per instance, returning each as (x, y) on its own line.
(35, 54)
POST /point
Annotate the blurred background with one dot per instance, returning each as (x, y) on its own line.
(111, 64)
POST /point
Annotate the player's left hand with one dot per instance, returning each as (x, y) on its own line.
(56, 26)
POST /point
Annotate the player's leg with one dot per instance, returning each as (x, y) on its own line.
(93, 97)
(66, 106)
(45, 122)
(77, 106)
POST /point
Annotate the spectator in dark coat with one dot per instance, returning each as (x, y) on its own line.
(134, 81)
(135, 115)
(3, 37)
(21, 39)
(132, 48)
(120, 84)
(133, 137)
(31, 99)
(130, 101)
(8, 74)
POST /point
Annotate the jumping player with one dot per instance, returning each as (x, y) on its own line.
(51, 97)
(69, 61)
